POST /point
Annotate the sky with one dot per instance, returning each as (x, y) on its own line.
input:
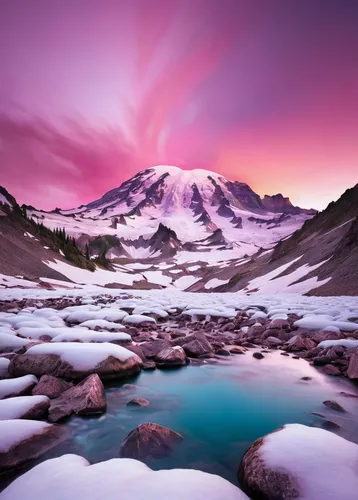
(261, 91)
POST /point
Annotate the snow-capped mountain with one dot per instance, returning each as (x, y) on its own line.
(164, 210)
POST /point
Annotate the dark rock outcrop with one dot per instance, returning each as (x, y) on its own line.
(86, 398)
(52, 364)
(149, 440)
(50, 386)
(32, 447)
(171, 357)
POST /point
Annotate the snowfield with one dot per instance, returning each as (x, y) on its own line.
(318, 312)
(71, 477)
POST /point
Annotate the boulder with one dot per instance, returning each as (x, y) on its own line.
(138, 402)
(198, 347)
(71, 360)
(258, 355)
(149, 365)
(237, 350)
(273, 341)
(334, 405)
(331, 370)
(25, 407)
(151, 349)
(50, 386)
(20, 386)
(86, 398)
(26, 440)
(299, 343)
(300, 462)
(223, 352)
(171, 357)
(352, 371)
(149, 440)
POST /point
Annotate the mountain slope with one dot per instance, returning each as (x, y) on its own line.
(321, 258)
(191, 203)
(26, 246)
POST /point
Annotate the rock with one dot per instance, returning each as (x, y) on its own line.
(149, 365)
(348, 394)
(352, 371)
(284, 353)
(38, 411)
(273, 341)
(331, 370)
(279, 323)
(137, 350)
(50, 386)
(259, 481)
(237, 350)
(229, 327)
(138, 402)
(198, 347)
(322, 360)
(300, 462)
(306, 378)
(149, 440)
(299, 343)
(151, 349)
(334, 405)
(86, 398)
(171, 357)
(20, 386)
(258, 355)
(223, 352)
(41, 438)
(52, 364)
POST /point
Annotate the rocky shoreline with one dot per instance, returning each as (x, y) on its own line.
(69, 375)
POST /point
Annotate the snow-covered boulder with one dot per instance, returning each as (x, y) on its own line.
(28, 407)
(74, 335)
(149, 440)
(48, 332)
(72, 477)
(86, 398)
(101, 324)
(80, 316)
(19, 386)
(73, 360)
(23, 440)
(171, 357)
(4, 365)
(138, 319)
(300, 462)
(9, 343)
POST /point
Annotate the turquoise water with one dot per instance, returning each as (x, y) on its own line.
(220, 409)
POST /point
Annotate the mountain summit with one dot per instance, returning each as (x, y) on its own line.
(191, 203)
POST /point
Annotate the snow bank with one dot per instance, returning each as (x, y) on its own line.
(82, 356)
(137, 319)
(16, 385)
(185, 282)
(71, 477)
(85, 314)
(36, 333)
(12, 432)
(319, 322)
(11, 341)
(18, 406)
(324, 464)
(101, 323)
(72, 334)
(214, 283)
(343, 342)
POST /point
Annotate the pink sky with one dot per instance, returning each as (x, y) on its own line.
(261, 91)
